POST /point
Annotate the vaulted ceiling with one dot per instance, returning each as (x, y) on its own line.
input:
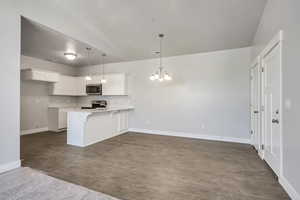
(130, 27)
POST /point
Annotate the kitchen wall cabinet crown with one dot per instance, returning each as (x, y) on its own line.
(30, 74)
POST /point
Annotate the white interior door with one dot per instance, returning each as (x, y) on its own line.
(272, 104)
(255, 106)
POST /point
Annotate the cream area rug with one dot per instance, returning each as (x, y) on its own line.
(28, 184)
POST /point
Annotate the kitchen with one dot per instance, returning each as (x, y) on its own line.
(90, 108)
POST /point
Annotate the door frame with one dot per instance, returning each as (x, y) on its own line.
(277, 40)
(256, 63)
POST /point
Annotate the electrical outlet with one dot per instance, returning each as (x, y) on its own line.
(202, 126)
(288, 104)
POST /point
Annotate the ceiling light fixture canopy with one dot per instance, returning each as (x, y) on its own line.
(70, 56)
(161, 74)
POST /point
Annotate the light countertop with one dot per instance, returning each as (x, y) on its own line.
(98, 110)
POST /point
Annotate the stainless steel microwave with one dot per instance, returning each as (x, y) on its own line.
(94, 89)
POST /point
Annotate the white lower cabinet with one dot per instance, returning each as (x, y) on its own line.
(123, 121)
(57, 119)
(119, 121)
(115, 122)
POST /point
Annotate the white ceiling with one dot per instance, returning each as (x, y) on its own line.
(42, 42)
(130, 27)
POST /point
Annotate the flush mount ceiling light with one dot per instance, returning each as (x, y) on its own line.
(161, 74)
(103, 79)
(70, 56)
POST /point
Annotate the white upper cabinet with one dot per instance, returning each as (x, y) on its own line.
(39, 75)
(94, 80)
(81, 85)
(116, 85)
(69, 86)
(76, 86)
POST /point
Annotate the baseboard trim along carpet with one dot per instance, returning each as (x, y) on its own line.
(10, 166)
(191, 135)
(36, 130)
(26, 183)
(289, 188)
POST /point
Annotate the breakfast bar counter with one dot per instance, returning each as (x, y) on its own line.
(89, 126)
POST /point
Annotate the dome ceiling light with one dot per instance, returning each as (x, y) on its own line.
(70, 56)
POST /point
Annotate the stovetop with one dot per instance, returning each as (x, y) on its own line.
(93, 108)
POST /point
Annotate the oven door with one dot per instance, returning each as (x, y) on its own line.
(94, 89)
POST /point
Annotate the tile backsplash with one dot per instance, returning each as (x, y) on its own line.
(113, 101)
(62, 101)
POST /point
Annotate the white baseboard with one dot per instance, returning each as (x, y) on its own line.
(36, 130)
(289, 188)
(124, 131)
(10, 166)
(191, 135)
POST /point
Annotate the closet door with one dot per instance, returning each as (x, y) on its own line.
(272, 102)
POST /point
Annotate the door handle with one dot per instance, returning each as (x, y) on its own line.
(275, 121)
(255, 112)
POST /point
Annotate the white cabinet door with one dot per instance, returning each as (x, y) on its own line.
(62, 119)
(123, 120)
(73, 86)
(65, 86)
(81, 86)
(116, 85)
(119, 122)
(94, 80)
(69, 86)
(115, 122)
(57, 119)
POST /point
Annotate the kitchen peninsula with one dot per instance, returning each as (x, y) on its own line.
(89, 126)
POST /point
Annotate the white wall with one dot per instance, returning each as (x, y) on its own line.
(9, 87)
(34, 94)
(285, 15)
(209, 94)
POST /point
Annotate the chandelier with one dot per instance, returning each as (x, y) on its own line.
(161, 74)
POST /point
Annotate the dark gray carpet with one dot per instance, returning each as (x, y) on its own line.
(28, 184)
